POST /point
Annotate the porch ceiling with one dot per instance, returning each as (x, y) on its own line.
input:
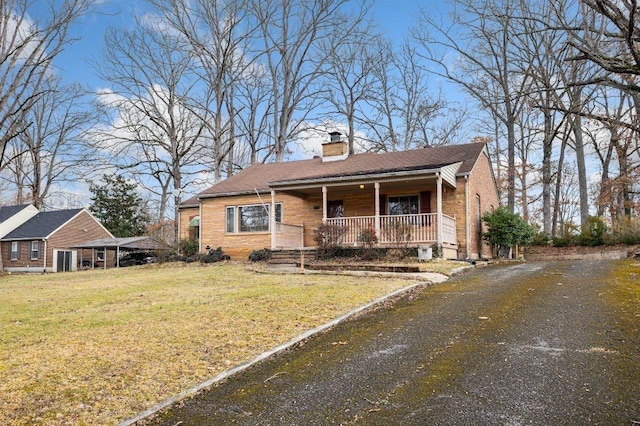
(349, 188)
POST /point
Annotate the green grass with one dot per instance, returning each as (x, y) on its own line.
(97, 347)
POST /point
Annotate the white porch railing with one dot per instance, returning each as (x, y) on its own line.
(409, 228)
(289, 236)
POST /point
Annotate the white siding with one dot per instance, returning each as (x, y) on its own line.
(17, 219)
(449, 173)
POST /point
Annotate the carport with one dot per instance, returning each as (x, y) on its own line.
(117, 245)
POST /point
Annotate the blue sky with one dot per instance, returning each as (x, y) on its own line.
(394, 18)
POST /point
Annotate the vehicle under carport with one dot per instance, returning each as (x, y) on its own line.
(118, 246)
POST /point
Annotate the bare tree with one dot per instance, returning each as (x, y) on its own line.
(157, 130)
(617, 150)
(31, 37)
(219, 35)
(482, 36)
(402, 111)
(380, 119)
(607, 35)
(254, 101)
(542, 57)
(349, 75)
(51, 150)
(292, 34)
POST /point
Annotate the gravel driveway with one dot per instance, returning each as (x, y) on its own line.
(536, 343)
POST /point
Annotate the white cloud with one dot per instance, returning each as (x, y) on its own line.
(20, 34)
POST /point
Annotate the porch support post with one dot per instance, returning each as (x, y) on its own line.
(440, 228)
(272, 219)
(376, 186)
(467, 219)
(200, 226)
(324, 204)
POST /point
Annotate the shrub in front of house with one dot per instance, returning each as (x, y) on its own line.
(368, 239)
(260, 255)
(213, 256)
(506, 230)
(327, 238)
(188, 247)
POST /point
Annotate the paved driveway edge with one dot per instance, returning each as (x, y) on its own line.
(266, 355)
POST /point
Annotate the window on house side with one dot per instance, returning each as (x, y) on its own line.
(231, 219)
(35, 250)
(251, 218)
(254, 218)
(15, 250)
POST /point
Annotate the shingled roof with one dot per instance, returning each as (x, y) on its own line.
(42, 225)
(262, 177)
(8, 211)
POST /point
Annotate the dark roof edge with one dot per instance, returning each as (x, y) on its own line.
(399, 173)
(233, 193)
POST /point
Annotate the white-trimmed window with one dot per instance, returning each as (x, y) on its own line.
(35, 250)
(231, 219)
(250, 218)
(407, 204)
(15, 250)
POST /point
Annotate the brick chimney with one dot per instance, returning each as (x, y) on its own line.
(336, 149)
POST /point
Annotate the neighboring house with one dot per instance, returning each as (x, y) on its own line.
(13, 216)
(430, 196)
(44, 242)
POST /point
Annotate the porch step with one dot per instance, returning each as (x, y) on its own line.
(290, 256)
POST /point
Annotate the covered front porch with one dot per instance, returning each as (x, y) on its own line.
(405, 210)
(410, 229)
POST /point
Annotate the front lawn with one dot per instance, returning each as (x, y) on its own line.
(97, 347)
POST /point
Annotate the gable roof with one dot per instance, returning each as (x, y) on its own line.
(261, 177)
(190, 203)
(42, 225)
(8, 211)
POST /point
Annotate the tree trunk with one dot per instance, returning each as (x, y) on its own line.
(582, 172)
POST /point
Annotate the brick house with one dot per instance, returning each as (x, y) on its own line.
(44, 242)
(430, 196)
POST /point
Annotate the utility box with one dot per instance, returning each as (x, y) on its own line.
(425, 253)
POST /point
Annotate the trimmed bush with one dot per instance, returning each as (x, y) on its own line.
(506, 230)
(214, 256)
(593, 233)
(327, 238)
(188, 247)
(260, 255)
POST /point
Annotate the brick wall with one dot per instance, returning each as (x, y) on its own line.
(80, 229)
(24, 258)
(331, 149)
(483, 198)
(481, 186)
(295, 211)
(186, 215)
